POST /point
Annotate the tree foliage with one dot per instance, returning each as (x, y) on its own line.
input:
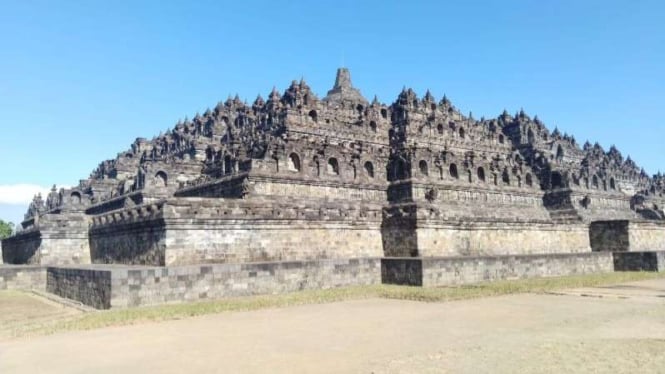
(6, 229)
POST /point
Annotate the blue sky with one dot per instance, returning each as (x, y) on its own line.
(80, 80)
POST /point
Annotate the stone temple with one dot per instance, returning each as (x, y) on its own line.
(308, 181)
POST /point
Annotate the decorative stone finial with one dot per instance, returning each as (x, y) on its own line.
(259, 101)
(344, 90)
(343, 79)
(429, 98)
(445, 102)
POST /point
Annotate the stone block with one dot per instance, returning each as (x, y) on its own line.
(639, 261)
(446, 271)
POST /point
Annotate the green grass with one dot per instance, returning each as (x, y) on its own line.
(121, 317)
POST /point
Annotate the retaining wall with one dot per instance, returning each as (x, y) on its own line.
(117, 286)
(89, 286)
(190, 231)
(58, 239)
(639, 261)
(22, 248)
(647, 236)
(122, 286)
(23, 277)
(444, 271)
(492, 239)
(609, 236)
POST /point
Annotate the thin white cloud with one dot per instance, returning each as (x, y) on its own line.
(21, 194)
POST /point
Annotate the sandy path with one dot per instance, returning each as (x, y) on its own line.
(521, 333)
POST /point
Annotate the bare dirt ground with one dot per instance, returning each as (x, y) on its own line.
(618, 329)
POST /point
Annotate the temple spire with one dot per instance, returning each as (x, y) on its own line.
(343, 79)
(343, 90)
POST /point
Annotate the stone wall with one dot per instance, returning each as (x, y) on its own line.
(67, 249)
(60, 239)
(229, 186)
(119, 202)
(602, 205)
(183, 231)
(225, 242)
(639, 261)
(486, 202)
(500, 238)
(134, 235)
(590, 205)
(299, 178)
(348, 192)
(138, 243)
(64, 239)
(114, 286)
(23, 277)
(609, 236)
(636, 236)
(646, 236)
(443, 271)
(89, 286)
(430, 230)
(22, 248)
(399, 238)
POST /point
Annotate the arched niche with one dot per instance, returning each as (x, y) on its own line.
(559, 152)
(313, 115)
(453, 171)
(422, 166)
(75, 198)
(333, 166)
(481, 174)
(556, 180)
(161, 179)
(228, 164)
(294, 162)
(369, 169)
(505, 177)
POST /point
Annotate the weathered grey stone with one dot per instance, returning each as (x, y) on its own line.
(117, 286)
(639, 261)
(636, 236)
(446, 271)
(296, 192)
(296, 178)
(22, 277)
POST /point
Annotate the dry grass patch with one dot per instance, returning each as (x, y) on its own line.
(506, 287)
(23, 312)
